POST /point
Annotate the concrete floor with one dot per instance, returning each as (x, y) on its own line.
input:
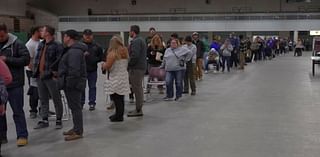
(269, 110)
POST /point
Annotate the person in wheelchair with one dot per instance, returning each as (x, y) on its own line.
(213, 58)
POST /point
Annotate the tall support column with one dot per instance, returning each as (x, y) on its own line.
(295, 36)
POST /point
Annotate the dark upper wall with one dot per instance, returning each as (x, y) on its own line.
(80, 7)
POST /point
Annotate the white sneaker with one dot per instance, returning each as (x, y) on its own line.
(206, 72)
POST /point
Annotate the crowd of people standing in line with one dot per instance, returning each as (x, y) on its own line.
(52, 67)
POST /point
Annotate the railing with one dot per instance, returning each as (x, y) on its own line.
(203, 17)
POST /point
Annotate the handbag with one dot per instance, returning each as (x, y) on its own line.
(3, 97)
(158, 56)
(181, 61)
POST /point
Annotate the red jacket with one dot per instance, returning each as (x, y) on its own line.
(5, 73)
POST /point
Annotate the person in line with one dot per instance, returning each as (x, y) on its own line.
(226, 49)
(117, 78)
(243, 50)
(155, 54)
(213, 58)
(137, 67)
(299, 47)
(255, 49)
(190, 67)
(93, 57)
(46, 71)
(5, 79)
(200, 53)
(72, 78)
(32, 46)
(16, 56)
(234, 54)
(174, 62)
(152, 33)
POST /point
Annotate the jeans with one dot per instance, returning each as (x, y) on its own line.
(224, 60)
(74, 102)
(33, 95)
(15, 100)
(136, 78)
(49, 88)
(119, 104)
(92, 81)
(234, 59)
(189, 78)
(174, 76)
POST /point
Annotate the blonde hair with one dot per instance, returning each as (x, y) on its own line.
(156, 41)
(115, 46)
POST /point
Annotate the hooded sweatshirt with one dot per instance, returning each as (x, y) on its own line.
(172, 58)
(17, 58)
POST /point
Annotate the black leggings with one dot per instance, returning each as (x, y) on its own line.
(119, 104)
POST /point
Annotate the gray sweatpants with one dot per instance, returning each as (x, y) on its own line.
(49, 89)
(135, 78)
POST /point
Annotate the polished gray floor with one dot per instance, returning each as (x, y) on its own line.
(272, 109)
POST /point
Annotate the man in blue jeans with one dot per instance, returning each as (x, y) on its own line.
(16, 56)
(94, 55)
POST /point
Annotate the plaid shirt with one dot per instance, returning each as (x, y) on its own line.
(243, 47)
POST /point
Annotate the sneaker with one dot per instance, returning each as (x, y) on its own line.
(73, 137)
(22, 142)
(33, 115)
(135, 113)
(167, 99)
(193, 93)
(59, 124)
(42, 124)
(92, 108)
(177, 98)
(206, 72)
(69, 132)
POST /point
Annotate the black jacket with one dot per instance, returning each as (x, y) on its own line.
(52, 58)
(72, 68)
(18, 57)
(200, 48)
(95, 56)
(152, 58)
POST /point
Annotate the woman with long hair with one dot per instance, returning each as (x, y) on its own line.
(117, 78)
(155, 54)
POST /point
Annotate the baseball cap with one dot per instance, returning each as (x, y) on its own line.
(87, 32)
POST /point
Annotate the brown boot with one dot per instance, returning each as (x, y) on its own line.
(68, 133)
(73, 137)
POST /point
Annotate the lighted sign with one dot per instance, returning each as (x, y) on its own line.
(315, 33)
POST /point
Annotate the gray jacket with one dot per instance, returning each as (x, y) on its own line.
(193, 49)
(173, 57)
(226, 50)
(138, 54)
